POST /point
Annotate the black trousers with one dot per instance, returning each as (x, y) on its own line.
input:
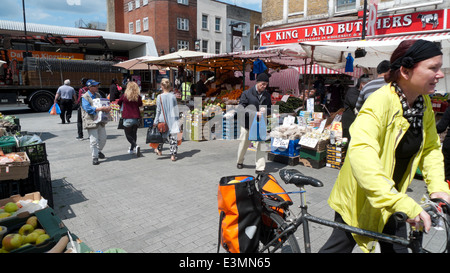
(446, 153)
(66, 109)
(79, 123)
(342, 242)
(131, 134)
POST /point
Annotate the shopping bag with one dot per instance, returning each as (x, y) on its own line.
(179, 138)
(154, 136)
(258, 129)
(120, 125)
(55, 110)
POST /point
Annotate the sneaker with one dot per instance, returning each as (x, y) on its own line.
(138, 151)
(240, 165)
(101, 155)
(79, 138)
(95, 161)
(130, 151)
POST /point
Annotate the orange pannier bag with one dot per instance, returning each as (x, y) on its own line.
(270, 189)
(239, 205)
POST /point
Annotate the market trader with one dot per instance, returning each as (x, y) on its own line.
(256, 101)
(96, 131)
(68, 96)
(393, 135)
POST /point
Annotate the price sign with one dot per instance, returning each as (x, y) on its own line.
(280, 143)
(308, 142)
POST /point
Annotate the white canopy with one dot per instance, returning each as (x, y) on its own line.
(333, 54)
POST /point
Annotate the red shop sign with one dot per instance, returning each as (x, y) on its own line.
(394, 24)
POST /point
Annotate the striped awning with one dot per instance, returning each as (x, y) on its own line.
(426, 36)
(317, 69)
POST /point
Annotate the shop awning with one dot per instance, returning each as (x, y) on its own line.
(317, 69)
(332, 54)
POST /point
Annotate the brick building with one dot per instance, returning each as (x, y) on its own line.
(177, 24)
(171, 23)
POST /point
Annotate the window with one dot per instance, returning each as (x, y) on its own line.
(130, 28)
(184, 2)
(204, 21)
(138, 3)
(144, 2)
(181, 44)
(138, 26)
(145, 24)
(218, 44)
(204, 45)
(130, 6)
(343, 5)
(217, 26)
(182, 24)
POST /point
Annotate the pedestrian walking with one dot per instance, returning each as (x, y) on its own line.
(81, 92)
(256, 102)
(67, 96)
(130, 102)
(114, 90)
(351, 97)
(393, 135)
(96, 131)
(167, 111)
(382, 69)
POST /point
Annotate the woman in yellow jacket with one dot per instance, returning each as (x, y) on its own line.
(393, 134)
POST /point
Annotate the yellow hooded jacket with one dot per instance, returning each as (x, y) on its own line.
(364, 193)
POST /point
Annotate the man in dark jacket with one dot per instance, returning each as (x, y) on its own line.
(255, 101)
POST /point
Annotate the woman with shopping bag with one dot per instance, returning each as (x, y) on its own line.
(166, 119)
(256, 104)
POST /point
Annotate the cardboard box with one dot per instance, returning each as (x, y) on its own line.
(34, 196)
(15, 170)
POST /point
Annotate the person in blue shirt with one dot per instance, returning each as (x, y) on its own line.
(96, 130)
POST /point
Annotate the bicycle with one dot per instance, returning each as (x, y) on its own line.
(283, 229)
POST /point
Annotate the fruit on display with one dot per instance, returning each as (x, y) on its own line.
(26, 229)
(26, 235)
(11, 207)
(33, 221)
(4, 214)
(42, 238)
(12, 241)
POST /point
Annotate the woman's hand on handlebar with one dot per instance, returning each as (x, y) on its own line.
(421, 220)
(441, 195)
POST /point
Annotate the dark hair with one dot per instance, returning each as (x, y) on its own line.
(83, 82)
(399, 52)
(383, 67)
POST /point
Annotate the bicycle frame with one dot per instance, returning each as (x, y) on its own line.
(414, 242)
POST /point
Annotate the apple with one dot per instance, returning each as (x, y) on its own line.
(12, 241)
(31, 238)
(42, 238)
(26, 229)
(32, 221)
(11, 207)
(5, 214)
(39, 231)
(3, 250)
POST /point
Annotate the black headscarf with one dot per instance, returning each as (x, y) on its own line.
(419, 51)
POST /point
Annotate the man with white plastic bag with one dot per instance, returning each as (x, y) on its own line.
(90, 114)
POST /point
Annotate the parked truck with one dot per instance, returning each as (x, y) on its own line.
(35, 80)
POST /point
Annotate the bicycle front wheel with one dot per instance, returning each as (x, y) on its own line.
(285, 244)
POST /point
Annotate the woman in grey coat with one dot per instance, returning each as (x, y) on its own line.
(167, 111)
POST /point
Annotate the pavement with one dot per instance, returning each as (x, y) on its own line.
(151, 204)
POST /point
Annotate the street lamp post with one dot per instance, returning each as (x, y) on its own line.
(363, 34)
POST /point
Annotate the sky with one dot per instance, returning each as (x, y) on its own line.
(69, 12)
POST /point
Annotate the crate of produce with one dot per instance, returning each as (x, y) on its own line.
(312, 154)
(334, 165)
(292, 148)
(14, 166)
(288, 160)
(36, 153)
(39, 179)
(320, 146)
(53, 234)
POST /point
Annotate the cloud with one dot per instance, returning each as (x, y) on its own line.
(74, 2)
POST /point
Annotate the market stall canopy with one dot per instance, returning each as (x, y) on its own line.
(273, 57)
(333, 54)
(176, 58)
(138, 64)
